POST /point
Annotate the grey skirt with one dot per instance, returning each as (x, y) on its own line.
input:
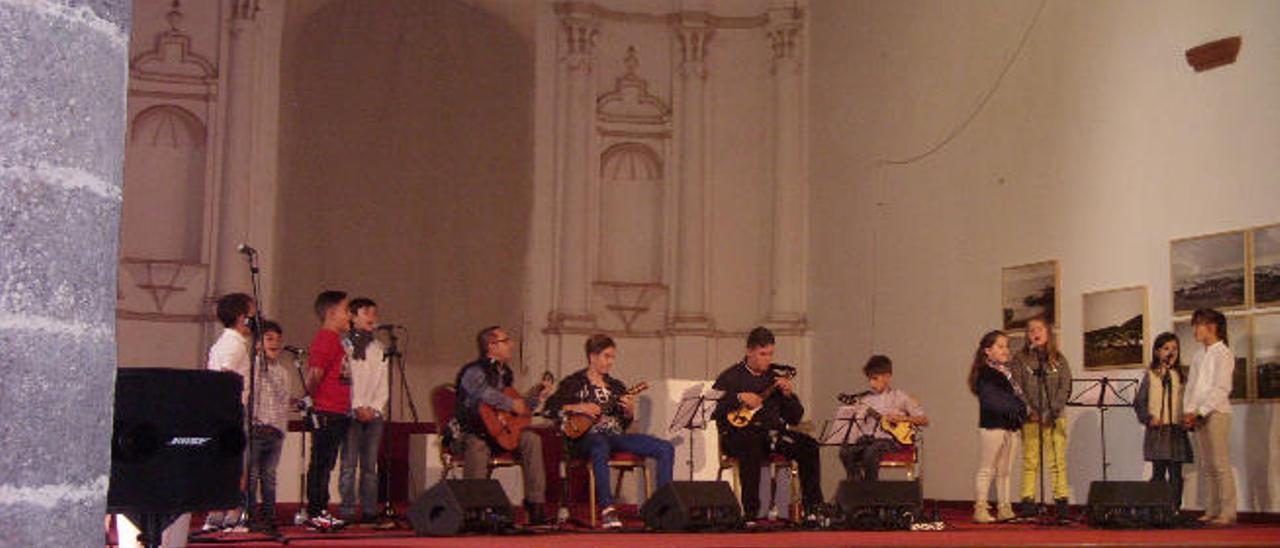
(1167, 442)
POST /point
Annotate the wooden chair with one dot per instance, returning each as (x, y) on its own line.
(777, 463)
(907, 458)
(443, 399)
(620, 461)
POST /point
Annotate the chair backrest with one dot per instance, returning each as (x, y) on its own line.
(443, 399)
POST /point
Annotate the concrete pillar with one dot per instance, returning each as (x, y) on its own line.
(234, 206)
(787, 279)
(63, 75)
(574, 159)
(692, 33)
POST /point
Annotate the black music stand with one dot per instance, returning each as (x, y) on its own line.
(1103, 394)
(693, 413)
(839, 430)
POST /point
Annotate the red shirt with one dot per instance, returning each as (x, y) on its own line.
(333, 394)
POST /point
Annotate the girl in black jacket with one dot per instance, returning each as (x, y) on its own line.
(1000, 417)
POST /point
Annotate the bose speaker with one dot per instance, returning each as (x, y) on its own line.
(177, 441)
(462, 506)
(1130, 504)
(692, 506)
(879, 505)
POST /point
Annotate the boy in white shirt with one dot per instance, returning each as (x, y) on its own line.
(1207, 407)
(368, 403)
(230, 353)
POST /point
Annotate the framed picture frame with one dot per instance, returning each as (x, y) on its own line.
(1027, 291)
(1266, 266)
(1240, 342)
(1208, 272)
(1266, 356)
(1115, 328)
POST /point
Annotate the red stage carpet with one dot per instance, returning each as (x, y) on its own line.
(959, 532)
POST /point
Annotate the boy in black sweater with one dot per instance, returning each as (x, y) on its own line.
(754, 383)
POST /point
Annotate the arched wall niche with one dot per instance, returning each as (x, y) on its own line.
(631, 214)
(164, 177)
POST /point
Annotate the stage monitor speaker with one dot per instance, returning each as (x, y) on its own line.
(692, 506)
(879, 505)
(452, 507)
(1131, 504)
(177, 441)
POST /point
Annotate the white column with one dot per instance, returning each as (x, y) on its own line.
(787, 280)
(690, 287)
(232, 273)
(574, 160)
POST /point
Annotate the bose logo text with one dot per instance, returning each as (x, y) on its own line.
(188, 442)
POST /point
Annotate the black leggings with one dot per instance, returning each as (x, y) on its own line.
(1170, 471)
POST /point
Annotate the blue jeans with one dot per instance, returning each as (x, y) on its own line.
(598, 447)
(360, 449)
(265, 444)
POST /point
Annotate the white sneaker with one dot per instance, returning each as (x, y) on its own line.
(609, 518)
(324, 522)
(235, 523)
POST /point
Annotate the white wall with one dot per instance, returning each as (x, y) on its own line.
(1099, 146)
(405, 172)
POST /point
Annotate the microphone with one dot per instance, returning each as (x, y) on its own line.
(296, 350)
(244, 248)
(849, 399)
(387, 327)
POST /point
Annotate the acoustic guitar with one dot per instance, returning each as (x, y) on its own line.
(902, 431)
(742, 416)
(576, 425)
(505, 426)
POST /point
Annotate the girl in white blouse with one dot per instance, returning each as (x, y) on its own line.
(1207, 408)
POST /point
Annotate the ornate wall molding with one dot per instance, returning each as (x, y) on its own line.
(629, 102)
(172, 60)
(692, 35)
(667, 18)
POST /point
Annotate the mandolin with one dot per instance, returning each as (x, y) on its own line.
(505, 426)
(902, 431)
(742, 416)
(576, 425)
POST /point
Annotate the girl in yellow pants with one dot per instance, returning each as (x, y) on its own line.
(1044, 376)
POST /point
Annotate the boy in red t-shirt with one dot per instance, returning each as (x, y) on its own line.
(329, 383)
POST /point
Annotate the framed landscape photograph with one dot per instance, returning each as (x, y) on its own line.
(1115, 328)
(1208, 272)
(1266, 355)
(1238, 340)
(1028, 291)
(1266, 266)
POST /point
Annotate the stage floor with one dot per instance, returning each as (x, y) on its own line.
(958, 532)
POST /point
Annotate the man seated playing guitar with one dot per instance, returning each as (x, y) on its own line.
(766, 431)
(591, 392)
(482, 382)
(881, 404)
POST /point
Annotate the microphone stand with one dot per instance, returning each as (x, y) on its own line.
(308, 425)
(394, 359)
(254, 358)
(1042, 374)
